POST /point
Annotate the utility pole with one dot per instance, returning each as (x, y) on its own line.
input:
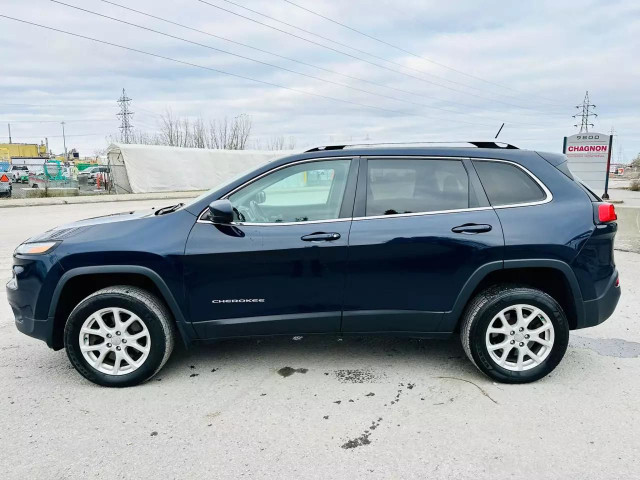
(64, 140)
(585, 111)
(9, 126)
(125, 122)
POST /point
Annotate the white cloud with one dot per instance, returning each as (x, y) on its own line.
(547, 52)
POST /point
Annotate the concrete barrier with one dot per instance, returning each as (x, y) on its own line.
(51, 192)
(100, 198)
(628, 236)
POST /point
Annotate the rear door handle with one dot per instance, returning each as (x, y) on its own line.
(320, 237)
(471, 228)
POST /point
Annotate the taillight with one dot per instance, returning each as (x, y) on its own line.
(4, 178)
(607, 212)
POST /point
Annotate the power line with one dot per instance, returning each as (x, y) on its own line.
(58, 136)
(276, 66)
(83, 120)
(409, 92)
(356, 57)
(357, 49)
(235, 75)
(461, 72)
(125, 114)
(584, 114)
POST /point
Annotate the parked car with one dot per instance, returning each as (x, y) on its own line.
(5, 184)
(501, 246)
(19, 173)
(91, 173)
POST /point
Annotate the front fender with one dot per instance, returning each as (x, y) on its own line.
(184, 327)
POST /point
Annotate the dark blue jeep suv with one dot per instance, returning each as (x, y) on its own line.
(501, 245)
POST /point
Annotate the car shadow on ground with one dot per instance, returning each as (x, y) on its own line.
(325, 352)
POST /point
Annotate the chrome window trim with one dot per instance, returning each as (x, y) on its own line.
(420, 214)
(548, 195)
(250, 224)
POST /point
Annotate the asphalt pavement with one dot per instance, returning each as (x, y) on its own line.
(319, 407)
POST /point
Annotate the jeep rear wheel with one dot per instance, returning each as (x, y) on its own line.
(119, 336)
(514, 334)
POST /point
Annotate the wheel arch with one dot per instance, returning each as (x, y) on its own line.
(78, 283)
(554, 277)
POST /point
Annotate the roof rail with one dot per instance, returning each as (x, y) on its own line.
(488, 144)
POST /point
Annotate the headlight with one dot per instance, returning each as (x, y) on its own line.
(37, 248)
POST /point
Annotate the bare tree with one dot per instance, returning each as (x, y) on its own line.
(230, 134)
(275, 143)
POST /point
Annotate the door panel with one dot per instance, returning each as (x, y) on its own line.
(405, 271)
(295, 286)
(423, 227)
(281, 270)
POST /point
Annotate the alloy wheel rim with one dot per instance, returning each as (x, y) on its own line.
(115, 341)
(520, 337)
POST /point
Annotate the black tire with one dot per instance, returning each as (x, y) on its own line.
(148, 308)
(486, 305)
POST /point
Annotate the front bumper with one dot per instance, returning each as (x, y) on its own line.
(26, 294)
(40, 329)
(598, 310)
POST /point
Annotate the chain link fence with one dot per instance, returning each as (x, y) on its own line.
(57, 179)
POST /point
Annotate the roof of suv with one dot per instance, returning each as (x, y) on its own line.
(440, 149)
(476, 144)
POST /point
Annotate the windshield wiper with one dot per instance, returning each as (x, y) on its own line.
(172, 208)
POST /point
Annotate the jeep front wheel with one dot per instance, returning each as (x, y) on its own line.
(119, 336)
(514, 334)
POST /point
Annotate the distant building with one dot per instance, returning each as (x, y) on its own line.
(24, 150)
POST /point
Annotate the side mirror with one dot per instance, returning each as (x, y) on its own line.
(221, 211)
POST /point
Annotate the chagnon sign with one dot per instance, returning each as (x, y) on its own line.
(589, 155)
(588, 148)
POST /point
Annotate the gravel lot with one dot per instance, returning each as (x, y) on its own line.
(319, 407)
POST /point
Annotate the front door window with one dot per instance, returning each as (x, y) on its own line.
(308, 191)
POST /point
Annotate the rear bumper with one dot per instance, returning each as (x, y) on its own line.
(598, 310)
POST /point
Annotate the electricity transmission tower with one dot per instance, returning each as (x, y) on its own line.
(125, 118)
(585, 111)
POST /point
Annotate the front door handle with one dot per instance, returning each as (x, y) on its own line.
(471, 228)
(320, 237)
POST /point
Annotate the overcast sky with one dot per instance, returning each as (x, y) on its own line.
(467, 66)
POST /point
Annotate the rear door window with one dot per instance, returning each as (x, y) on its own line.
(506, 184)
(397, 186)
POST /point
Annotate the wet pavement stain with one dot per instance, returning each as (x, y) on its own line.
(362, 439)
(355, 376)
(288, 371)
(608, 347)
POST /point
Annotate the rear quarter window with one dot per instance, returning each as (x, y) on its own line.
(507, 184)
